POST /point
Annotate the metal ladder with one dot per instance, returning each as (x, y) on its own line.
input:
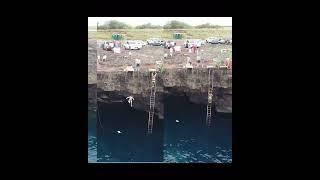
(209, 109)
(152, 103)
(209, 105)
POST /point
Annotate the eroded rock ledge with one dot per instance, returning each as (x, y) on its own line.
(115, 86)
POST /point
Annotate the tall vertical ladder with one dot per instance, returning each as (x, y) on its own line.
(152, 102)
(209, 108)
(210, 98)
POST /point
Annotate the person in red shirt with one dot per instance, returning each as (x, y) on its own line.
(194, 48)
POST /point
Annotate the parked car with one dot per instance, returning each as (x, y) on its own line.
(132, 45)
(169, 44)
(155, 42)
(212, 40)
(141, 42)
(202, 42)
(108, 45)
(189, 43)
(228, 40)
(222, 41)
(162, 43)
(151, 40)
(159, 43)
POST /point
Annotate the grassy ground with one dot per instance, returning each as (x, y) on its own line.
(144, 34)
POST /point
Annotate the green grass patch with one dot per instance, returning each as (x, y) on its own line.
(144, 34)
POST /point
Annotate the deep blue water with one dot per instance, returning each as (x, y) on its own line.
(182, 137)
(92, 136)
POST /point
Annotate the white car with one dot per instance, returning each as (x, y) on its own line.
(189, 43)
(108, 45)
(212, 40)
(132, 45)
(201, 41)
(222, 41)
(141, 42)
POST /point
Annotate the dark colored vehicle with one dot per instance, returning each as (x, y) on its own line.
(228, 40)
(155, 42)
(159, 43)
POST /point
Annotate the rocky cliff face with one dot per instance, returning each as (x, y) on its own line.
(92, 97)
(92, 61)
(115, 86)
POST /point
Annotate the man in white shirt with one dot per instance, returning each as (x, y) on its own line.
(130, 99)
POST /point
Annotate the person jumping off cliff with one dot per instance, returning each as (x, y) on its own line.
(130, 99)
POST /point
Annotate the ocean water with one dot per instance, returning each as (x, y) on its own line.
(119, 134)
(92, 136)
(187, 139)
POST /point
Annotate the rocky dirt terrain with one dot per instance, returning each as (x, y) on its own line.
(148, 55)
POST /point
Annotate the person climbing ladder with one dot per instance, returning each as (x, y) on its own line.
(154, 78)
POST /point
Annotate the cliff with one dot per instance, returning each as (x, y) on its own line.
(115, 86)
